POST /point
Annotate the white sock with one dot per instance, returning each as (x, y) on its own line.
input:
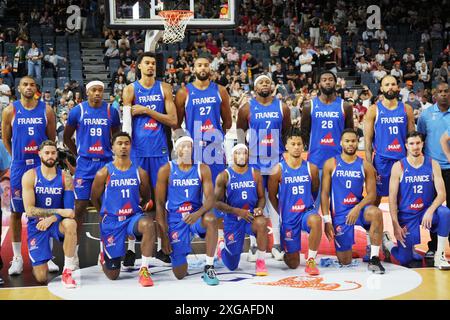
(69, 263)
(145, 262)
(209, 261)
(131, 244)
(312, 254)
(389, 245)
(441, 241)
(368, 238)
(220, 234)
(17, 249)
(159, 244)
(252, 241)
(51, 244)
(76, 249)
(260, 255)
(275, 220)
(374, 251)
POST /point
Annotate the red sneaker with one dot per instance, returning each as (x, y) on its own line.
(67, 280)
(261, 269)
(144, 277)
(311, 267)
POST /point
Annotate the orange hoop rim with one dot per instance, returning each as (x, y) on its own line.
(173, 17)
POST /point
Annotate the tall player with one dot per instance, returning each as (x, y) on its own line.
(343, 181)
(48, 199)
(239, 193)
(94, 122)
(152, 108)
(385, 129)
(268, 119)
(416, 194)
(205, 108)
(26, 124)
(117, 191)
(181, 211)
(291, 188)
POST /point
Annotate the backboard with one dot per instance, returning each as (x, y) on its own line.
(143, 14)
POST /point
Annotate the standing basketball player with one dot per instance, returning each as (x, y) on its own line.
(152, 108)
(181, 211)
(240, 194)
(49, 201)
(205, 108)
(343, 180)
(117, 191)
(26, 123)
(385, 129)
(267, 119)
(291, 189)
(94, 122)
(416, 194)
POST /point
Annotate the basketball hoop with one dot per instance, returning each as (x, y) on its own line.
(175, 22)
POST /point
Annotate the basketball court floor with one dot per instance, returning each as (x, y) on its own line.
(420, 281)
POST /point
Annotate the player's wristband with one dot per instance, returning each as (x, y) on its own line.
(326, 218)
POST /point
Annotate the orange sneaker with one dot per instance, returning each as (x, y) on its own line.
(67, 280)
(311, 267)
(261, 269)
(144, 277)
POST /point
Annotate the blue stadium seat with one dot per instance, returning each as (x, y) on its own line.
(418, 86)
(78, 74)
(49, 82)
(374, 88)
(61, 81)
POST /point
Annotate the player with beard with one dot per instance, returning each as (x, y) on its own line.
(387, 124)
(26, 124)
(204, 106)
(343, 181)
(152, 109)
(265, 120)
(240, 194)
(49, 201)
(416, 195)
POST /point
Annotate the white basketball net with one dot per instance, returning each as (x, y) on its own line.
(175, 22)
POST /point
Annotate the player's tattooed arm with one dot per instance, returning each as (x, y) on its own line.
(369, 131)
(7, 127)
(273, 183)
(180, 100)
(29, 199)
(98, 187)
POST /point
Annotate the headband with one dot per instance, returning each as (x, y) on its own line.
(239, 146)
(259, 78)
(95, 83)
(183, 139)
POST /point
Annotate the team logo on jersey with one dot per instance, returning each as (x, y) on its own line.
(207, 126)
(350, 199)
(32, 148)
(339, 231)
(17, 194)
(110, 241)
(126, 210)
(230, 238)
(417, 205)
(174, 237)
(185, 208)
(299, 206)
(267, 140)
(315, 283)
(328, 140)
(288, 235)
(33, 244)
(97, 148)
(152, 125)
(79, 183)
(394, 146)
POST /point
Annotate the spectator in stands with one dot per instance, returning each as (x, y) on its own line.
(380, 56)
(253, 36)
(408, 56)
(379, 74)
(119, 85)
(20, 59)
(63, 115)
(306, 60)
(314, 31)
(351, 29)
(396, 72)
(368, 37)
(226, 48)
(443, 72)
(233, 56)
(236, 90)
(425, 100)
(217, 61)
(336, 44)
(404, 92)
(48, 99)
(279, 75)
(110, 41)
(252, 63)
(34, 56)
(131, 75)
(383, 45)
(409, 73)
(380, 34)
(123, 41)
(5, 94)
(424, 76)
(362, 65)
(274, 49)
(285, 55)
(111, 53)
(128, 60)
(51, 60)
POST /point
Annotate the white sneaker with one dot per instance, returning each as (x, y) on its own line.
(251, 256)
(16, 266)
(52, 267)
(277, 253)
(441, 262)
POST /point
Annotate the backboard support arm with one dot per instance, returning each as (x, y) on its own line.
(151, 40)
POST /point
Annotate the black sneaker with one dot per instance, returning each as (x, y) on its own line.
(375, 265)
(130, 258)
(429, 254)
(160, 255)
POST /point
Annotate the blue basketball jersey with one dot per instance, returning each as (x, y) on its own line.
(391, 127)
(149, 138)
(265, 139)
(294, 191)
(184, 192)
(241, 192)
(28, 132)
(93, 126)
(327, 124)
(121, 196)
(202, 114)
(416, 190)
(48, 193)
(347, 185)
